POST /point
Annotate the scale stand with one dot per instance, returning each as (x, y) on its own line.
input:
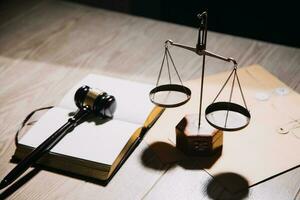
(193, 136)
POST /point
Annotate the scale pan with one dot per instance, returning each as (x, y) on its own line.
(227, 116)
(170, 95)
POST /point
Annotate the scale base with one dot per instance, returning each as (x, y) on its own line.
(191, 141)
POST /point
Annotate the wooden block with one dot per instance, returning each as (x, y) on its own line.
(192, 141)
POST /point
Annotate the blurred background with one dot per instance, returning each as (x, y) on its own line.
(272, 21)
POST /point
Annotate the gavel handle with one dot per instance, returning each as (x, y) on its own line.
(48, 144)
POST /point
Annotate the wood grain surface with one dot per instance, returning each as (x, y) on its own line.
(47, 46)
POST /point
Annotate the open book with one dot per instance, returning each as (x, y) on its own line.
(94, 149)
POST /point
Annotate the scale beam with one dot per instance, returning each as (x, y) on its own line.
(202, 52)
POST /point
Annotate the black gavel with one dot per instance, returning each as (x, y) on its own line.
(89, 101)
(93, 100)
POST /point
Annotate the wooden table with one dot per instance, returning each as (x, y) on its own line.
(50, 45)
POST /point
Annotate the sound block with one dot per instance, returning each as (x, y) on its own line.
(193, 141)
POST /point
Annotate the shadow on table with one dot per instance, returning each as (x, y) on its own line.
(232, 185)
(169, 154)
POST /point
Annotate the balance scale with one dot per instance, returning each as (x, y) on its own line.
(194, 137)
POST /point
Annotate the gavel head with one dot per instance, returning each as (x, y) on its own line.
(99, 102)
